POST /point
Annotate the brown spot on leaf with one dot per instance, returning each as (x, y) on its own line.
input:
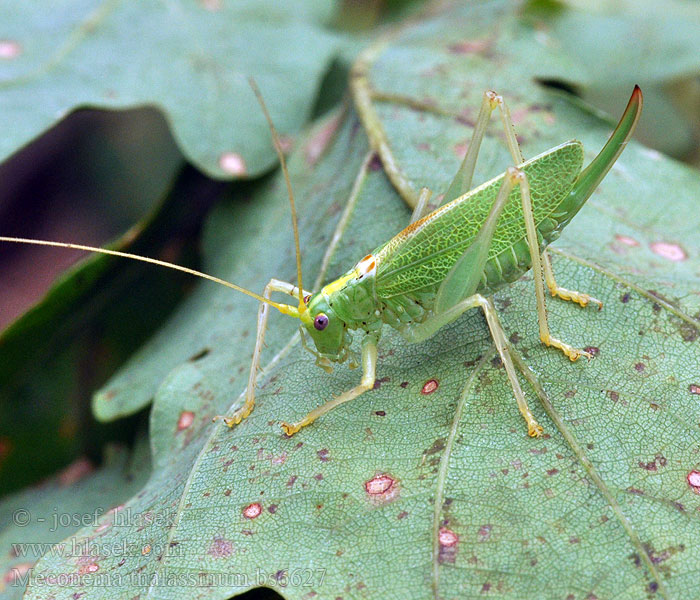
(460, 150)
(88, 567)
(323, 455)
(438, 446)
(654, 465)
(688, 331)
(220, 547)
(200, 355)
(211, 5)
(378, 382)
(375, 163)
(485, 532)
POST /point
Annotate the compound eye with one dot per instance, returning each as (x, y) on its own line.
(321, 322)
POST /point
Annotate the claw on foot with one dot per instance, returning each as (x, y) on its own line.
(235, 418)
(572, 353)
(230, 422)
(534, 429)
(577, 297)
(290, 430)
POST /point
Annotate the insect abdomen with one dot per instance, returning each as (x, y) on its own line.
(421, 256)
(511, 264)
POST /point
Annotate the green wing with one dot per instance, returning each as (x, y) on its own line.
(423, 254)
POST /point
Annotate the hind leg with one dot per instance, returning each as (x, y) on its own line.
(563, 293)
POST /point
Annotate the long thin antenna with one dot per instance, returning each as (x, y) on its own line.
(284, 308)
(280, 154)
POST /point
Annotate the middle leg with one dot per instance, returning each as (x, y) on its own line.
(422, 331)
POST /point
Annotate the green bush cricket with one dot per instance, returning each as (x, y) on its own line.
(442, 264)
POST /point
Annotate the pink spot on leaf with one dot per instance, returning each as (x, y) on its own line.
(17, 573)
(669, 251)
(460, 150)
(448, 545)
(694, 388)
(694, 481)
(186, 419)
(320, 140)
(232, 163)
(382, 488)
(91, 567)
(9, 49)
(468, 47)
(447, 537)
(429, 386)
(211, 5)
(252, 511)
(75, 472)
(626, 240)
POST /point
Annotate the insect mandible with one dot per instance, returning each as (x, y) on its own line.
(442, 264)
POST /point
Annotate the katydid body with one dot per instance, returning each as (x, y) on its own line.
(443, 263)
(453, 258)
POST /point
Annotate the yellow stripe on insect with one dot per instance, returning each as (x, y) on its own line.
(367, 266)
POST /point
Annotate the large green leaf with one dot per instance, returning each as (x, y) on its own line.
(190, 59)
(428, 486)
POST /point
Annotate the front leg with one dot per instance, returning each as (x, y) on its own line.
(369, 367)
(263, 312)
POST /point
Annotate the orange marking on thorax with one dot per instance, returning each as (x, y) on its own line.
(366, 266)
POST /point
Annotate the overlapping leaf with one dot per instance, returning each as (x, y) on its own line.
(190, 59)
